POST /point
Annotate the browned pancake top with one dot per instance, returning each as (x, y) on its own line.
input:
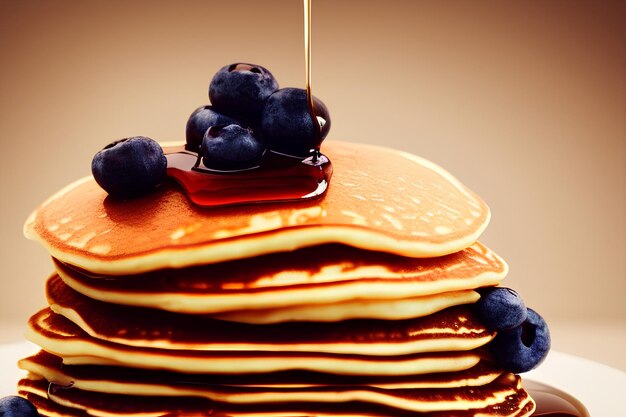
(379, 199)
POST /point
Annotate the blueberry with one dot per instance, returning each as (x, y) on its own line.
(287, 124)
(230, 148)
(200, 120)
(15, 406)
(240, 91)
(500, 308)
(129, 167)
(524, 347)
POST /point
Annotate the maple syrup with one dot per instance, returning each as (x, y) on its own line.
(552, 402)
(318, 122)
(278, 178)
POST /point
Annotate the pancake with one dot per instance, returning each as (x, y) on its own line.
(357, 303)
(416, 401)
(452, 329)
(61, 337)
(53, 369)
(484, 388)
(379, 199)
(502, 397)
(306, 277)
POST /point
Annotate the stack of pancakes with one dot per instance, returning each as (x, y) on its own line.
(358, 303)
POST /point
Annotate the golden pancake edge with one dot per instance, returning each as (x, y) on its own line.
(379, 199)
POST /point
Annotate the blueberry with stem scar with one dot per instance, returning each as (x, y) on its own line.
(200, 120)
(524, 347)
(230, 148)
(129, 167)
(240, 90)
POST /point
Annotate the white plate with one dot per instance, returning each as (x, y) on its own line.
(599, 387)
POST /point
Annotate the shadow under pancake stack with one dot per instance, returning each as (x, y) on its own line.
(359, 303)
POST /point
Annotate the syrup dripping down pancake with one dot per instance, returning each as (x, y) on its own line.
(304, 279)
(379, 199)
(502, 397)
(61, 337)
(449, 330)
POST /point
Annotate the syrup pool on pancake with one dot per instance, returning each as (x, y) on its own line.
(432, 215)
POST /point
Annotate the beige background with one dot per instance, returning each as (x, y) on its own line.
(524, 101)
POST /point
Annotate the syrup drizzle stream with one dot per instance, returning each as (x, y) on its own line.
(307, 63)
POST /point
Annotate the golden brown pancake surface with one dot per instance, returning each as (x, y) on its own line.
(53, 369)
(456, 328)
(502, 397)
(303, 279)
(379, 199)
(59, 336)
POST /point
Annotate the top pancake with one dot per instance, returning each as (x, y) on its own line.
(379, 199)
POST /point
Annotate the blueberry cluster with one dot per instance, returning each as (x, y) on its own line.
(523, 339)
(14, 406)
(249, 115)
